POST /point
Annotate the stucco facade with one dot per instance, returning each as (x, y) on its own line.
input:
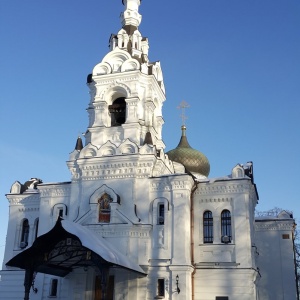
(183, 235)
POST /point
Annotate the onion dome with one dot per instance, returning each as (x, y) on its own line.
(193, 160)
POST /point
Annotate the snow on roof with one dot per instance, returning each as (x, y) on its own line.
(100, 246)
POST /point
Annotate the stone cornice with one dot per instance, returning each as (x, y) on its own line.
(55, 191)
(128, 77)
(114, 170)
(23, 199)
(219, 188)
(172, 183)
(29, 209)
(272, 225)
(215, 199)
(142, 232)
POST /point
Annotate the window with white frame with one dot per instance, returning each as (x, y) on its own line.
(226, 226)
(208, 227)
(161, 214)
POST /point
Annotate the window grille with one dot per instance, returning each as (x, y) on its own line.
(208, 227)
(226, 226)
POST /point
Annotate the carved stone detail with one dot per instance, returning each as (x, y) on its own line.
(221, 189)
(270, 225)
(55, 192)
(167, 186)
(210, 200)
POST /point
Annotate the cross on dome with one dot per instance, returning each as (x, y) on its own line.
(183, 105)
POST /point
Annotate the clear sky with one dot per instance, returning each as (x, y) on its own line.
(236, 62)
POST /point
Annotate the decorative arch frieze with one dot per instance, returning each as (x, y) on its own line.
(128, 147)
(147, 149)
(88, 151)
(74, 155)
(107, 149)
(114, 59)
(130, 65)
(102, 69)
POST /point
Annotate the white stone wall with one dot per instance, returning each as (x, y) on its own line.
(274, 242)
(224, 269)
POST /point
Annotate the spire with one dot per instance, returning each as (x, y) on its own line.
(183, 140)
(131, 17)
(79, 145)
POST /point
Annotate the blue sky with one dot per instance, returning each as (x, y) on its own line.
(236, 62)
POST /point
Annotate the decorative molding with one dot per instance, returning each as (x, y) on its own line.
(209, 189)
(116, 170)
(168, 186)
(55, 192)
(267, 225)
(23, 200)
(104, 231)
(211, 200)
(28, 209)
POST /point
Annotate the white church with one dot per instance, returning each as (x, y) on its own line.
(136, 222)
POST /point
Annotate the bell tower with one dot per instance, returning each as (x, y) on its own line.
(125, 108)
(126, 89)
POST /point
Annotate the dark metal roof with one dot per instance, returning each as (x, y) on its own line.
(79, 145)
(68, 246)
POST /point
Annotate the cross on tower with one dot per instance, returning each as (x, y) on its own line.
(183, 105)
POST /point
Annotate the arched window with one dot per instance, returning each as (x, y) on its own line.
(24, 234)
(161, 214)
(118, 112)
(104, 208)
(208, 227)
(226, 226)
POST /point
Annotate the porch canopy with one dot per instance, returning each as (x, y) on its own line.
(67, 246)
